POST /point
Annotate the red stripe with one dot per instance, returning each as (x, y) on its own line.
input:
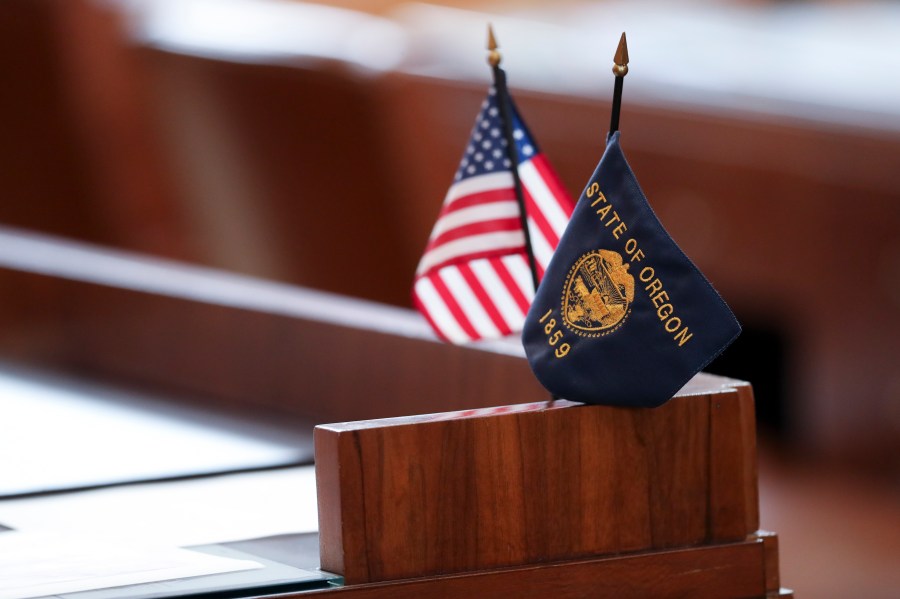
(486, 301)
(476, 228)
(510, 283)
(462, 259)
(419, 305)
(453, 306)
(540, 221)
(555, 184)
(502, 194)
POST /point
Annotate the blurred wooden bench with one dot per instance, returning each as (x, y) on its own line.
(235, 341)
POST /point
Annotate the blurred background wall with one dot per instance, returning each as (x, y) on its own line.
(312, 143)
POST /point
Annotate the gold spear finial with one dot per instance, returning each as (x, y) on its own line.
(620, 68)
(493, 55)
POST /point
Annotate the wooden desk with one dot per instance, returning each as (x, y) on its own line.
(727, 571)
(239, 343)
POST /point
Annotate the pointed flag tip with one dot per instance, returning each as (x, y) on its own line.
(493, 54)
(621, 57)
(620, 60)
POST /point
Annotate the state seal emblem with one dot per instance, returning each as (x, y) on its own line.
(598, 293)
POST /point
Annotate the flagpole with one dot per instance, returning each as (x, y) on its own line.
(503, 101)
(620, 69)
(512, 155)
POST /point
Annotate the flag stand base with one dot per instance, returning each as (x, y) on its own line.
(550, 500)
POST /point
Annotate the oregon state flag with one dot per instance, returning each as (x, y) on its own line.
(622, 317)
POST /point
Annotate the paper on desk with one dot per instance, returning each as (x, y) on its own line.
(64, 434)
(178, 513)
(39, 564)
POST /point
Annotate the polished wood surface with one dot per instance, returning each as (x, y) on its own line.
(734, 570)
(421, 496)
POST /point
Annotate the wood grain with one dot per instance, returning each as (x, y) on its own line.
(712, 572)
(463, 492)
(770, 545)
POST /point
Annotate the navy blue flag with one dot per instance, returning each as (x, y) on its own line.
(622, 317)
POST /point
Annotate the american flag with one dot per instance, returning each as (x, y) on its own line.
(474, 281)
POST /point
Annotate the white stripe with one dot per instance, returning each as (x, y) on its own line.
(468, 302)
(498, 293)
(500, 240)
(518, 267)
(479, 184)
(474, 214)
(546, 201)
(542, 249)
(440, 315)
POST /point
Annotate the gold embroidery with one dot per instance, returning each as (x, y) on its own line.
(664, 309)
(591, 308)
(598, 294)
(554, 336)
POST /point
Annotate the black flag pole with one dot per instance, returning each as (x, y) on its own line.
(512, 154)
(505, 104)
(620, 69)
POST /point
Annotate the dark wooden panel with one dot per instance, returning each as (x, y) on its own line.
(43, 179)
(293, 154)
(107, 96)
(466, 492)
(315, 368)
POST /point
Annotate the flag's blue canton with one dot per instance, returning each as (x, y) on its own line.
(622, 316)
(486, 152)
